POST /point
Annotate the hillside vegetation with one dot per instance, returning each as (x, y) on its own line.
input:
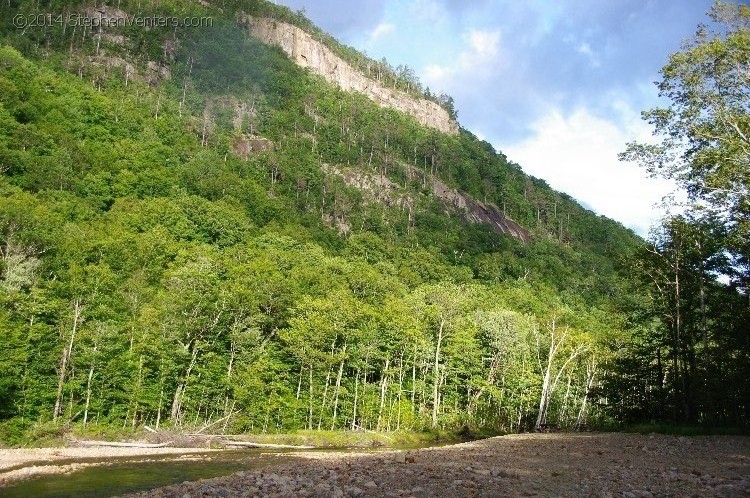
(194, 229)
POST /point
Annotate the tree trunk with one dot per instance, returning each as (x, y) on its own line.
(77, 311)
(310, 400)
(383, 389)
(541, 418)
(336, 390)
(590, 375)
(88, 392)
(325, 397)
(549, 384)
(356, 395)
(436, 375)
(181, 386)
(400, 390)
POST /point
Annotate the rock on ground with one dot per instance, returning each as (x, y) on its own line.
(615, 465)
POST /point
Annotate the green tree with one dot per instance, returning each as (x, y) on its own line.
(705, 129)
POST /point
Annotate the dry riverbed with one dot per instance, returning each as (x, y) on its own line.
(622, 465)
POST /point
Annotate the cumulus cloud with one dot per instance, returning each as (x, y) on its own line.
(342, 18)
(577, 154)
(585, 49)
(429, 11)
(381, 30)
(482, 48)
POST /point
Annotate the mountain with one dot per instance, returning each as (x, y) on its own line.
(243, 218)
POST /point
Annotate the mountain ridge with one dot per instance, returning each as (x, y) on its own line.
(228, 241)
(307, 52)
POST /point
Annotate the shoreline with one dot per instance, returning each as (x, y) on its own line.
(18, 464)
(556, 464)
(559, 464)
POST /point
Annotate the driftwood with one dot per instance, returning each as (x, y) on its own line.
(213, 423)
(360, 428)
(123, 445)
(249, 444)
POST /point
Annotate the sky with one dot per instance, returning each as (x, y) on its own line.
(556, 85)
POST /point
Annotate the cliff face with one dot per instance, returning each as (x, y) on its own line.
(307, 52)
(379, 188)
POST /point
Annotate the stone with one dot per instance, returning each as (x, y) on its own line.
(353, 491)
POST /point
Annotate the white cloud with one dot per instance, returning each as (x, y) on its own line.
(577, 154)
(484, 45)
(381, 30)
(585, 49)
(437, 76)
(429, 11)
(482, 52)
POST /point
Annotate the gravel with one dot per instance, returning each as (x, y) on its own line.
(560, 464)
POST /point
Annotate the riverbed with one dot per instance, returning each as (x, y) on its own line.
(103, 471)
(560, 464)
(107, 471)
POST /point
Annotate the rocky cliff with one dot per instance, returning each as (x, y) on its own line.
(381, 189)
(308, 52)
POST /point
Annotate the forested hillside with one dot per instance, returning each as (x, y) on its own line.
(192, 227)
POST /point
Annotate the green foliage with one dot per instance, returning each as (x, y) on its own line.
(154, 271)
(688, 355)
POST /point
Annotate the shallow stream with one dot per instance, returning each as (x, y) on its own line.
(122, 475)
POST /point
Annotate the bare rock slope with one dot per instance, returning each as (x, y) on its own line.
(310, 53)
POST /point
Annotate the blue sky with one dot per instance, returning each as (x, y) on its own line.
(558, 86)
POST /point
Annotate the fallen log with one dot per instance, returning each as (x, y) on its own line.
(123, 445)
(249, 444)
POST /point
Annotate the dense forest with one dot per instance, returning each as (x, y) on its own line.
(192, 229)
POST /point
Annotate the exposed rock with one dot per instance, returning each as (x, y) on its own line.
(244, 145)
(160, 71)
(153, 72)
(115, 39)
(310, 53)
(379, 188)
(104, 14)
(477, 212)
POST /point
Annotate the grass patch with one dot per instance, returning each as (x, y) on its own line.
(683, 430)
(369, 439)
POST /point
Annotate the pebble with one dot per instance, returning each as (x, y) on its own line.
(353, 491)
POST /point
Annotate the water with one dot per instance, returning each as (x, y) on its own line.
(127, 476)
(132, 474)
